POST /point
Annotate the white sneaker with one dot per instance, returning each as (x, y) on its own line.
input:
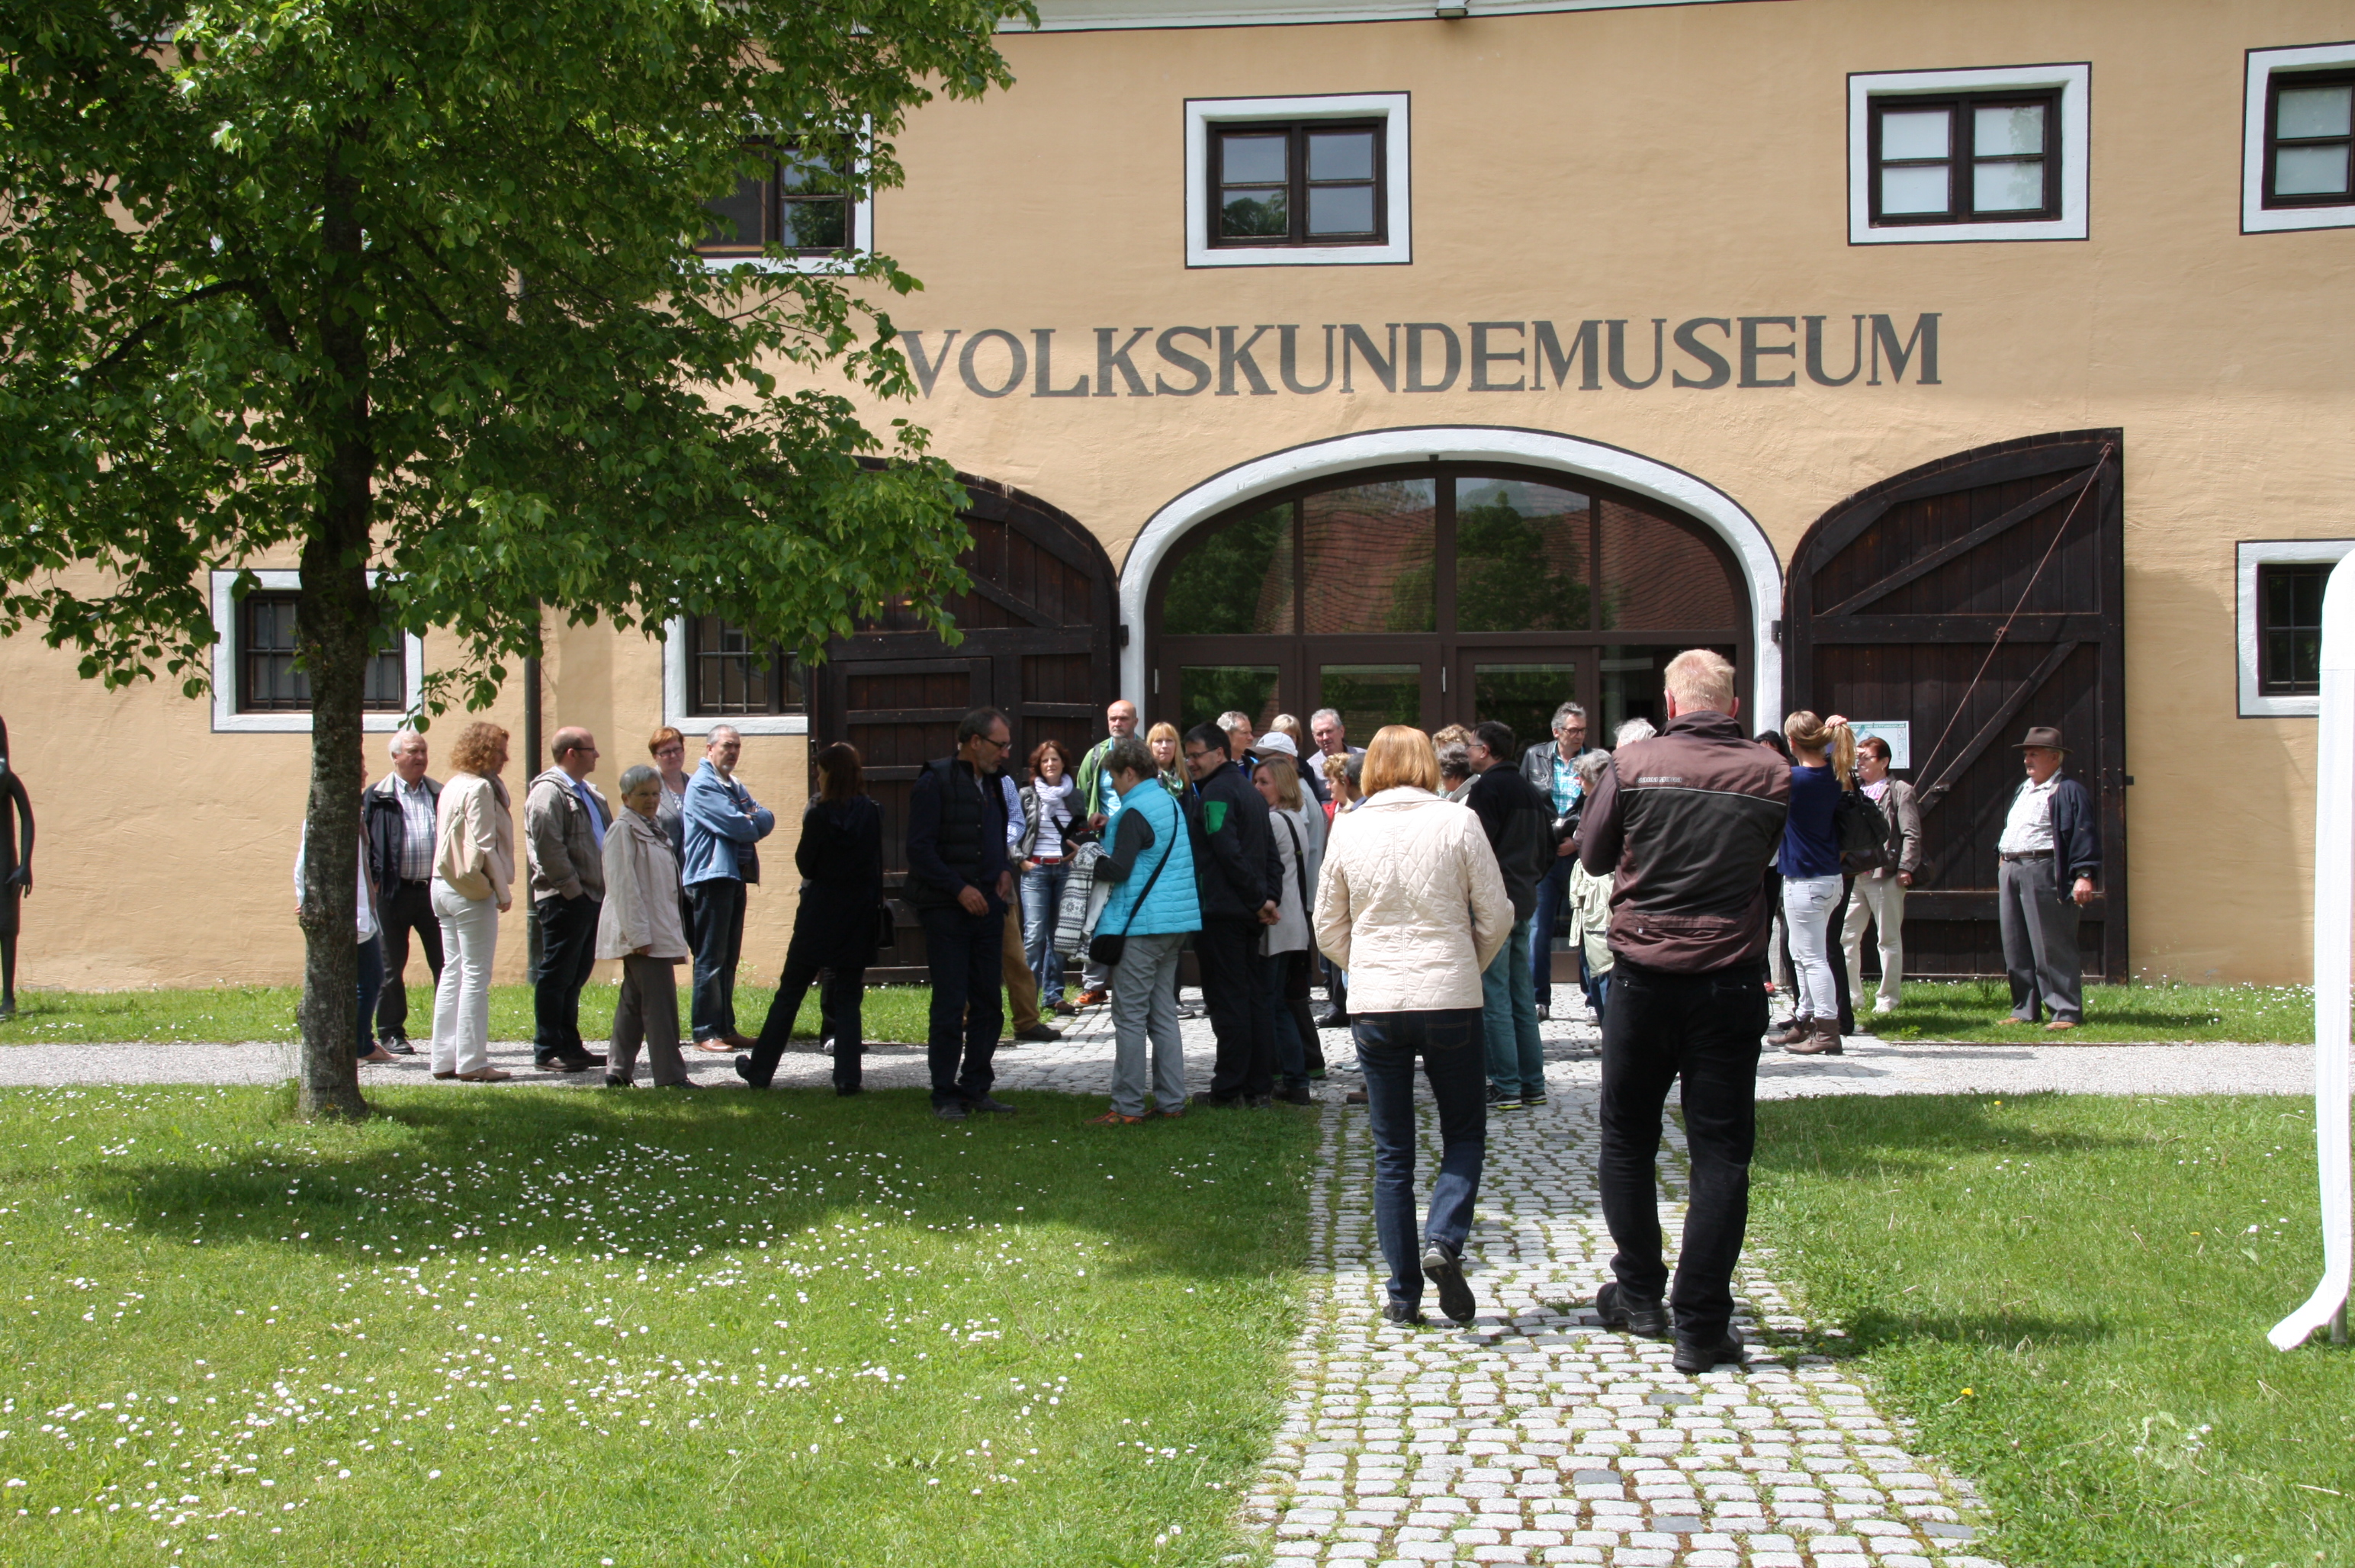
(1881, 1010)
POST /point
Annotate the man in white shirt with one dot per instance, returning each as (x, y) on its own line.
(396, 825)
(2048, 856)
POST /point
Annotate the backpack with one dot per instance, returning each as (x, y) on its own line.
(1869, 839)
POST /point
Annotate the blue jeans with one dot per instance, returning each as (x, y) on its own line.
(717, 935)
(1449, 1043)
(1042, 895)
(1553, 893)
(1508, 1021)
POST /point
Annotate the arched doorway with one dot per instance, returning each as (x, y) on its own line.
(1438, 591)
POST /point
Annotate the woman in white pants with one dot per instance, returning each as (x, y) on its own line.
(1822, 766)
(474, 875)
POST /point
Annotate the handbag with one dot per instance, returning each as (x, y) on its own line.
(1868, 840)
(887, 928)
(1107, 950)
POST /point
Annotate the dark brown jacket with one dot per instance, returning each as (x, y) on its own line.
(1686, 823)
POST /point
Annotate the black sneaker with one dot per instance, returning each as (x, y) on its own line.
(744, 1071)
(1335, 1020)
(1442, 1267)
(1038, 1034)
(398, 1046)
(1500, 1101)
(615, 1081)
(1297, 1095)
(995, 1107)
(1258, 1101)
(953, 1112)
(1693, 1358)
(1400, 1312)
(1616, 1306)
(1531, 1101)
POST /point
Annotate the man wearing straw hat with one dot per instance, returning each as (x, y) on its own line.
(2049, 854)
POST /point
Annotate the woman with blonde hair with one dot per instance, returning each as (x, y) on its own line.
(1162, 740)
(474, 873)
(1823, 767)
(1412, 906)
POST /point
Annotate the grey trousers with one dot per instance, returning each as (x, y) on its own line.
(1880, 900)
(647, 1012)
(1144, 1010)
(2039, 941)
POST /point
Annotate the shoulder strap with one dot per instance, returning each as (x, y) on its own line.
(1299, 861)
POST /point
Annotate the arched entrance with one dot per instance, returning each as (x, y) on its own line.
(1441, 591)
(1444, 574)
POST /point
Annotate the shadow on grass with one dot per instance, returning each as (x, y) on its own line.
(1172, 1196)
(1906, 1134)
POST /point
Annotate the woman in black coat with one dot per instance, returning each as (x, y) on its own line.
(840, 858)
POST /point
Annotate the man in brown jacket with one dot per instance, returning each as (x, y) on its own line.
(564, 824)
(1684, 823)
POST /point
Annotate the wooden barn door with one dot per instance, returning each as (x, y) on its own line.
(1969, 599)
(1038, 628)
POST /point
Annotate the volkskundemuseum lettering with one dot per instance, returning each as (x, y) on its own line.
(1704, 353)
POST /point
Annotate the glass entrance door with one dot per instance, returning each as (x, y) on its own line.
(1521, 687)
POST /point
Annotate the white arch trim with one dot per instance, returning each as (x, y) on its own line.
(1761, 570)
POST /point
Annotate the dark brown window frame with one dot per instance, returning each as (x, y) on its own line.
(1961, 156)
(773, 202)
(2271, 681)
(2274, 81)
(393, 661)
(1297, 183)
(781, 673)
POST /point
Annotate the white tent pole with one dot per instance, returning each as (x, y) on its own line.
(2334, 931)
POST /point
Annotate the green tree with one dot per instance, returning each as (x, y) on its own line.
(409, 287)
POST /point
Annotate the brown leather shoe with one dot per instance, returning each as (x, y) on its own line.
(486, 1075)
(1823, 1039)
(2061, 1024)
(1800, 1031)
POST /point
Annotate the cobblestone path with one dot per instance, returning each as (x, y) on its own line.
(1534, 1436)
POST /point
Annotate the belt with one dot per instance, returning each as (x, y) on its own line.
(1047, 860)
(2024, 855)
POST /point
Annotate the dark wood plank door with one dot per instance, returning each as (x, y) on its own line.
(1971, 598)
(1038, 628)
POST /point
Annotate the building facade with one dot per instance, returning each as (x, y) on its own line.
(1956, 368)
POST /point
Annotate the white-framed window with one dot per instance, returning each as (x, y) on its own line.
(813, 203)
(257, 690)
(2278, 584)
(1939, 157)
(1319, 181)
(2298, 143)
(712, 675)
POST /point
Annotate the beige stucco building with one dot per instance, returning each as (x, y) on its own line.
(1635, 326)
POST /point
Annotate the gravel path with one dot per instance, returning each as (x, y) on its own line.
(1081, 1062)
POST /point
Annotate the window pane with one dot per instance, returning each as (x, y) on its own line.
(2015, 128)
(1343, 154)
(1523, 696)
(2009, 186)
(1368, 552)
(820, 225)
(2290, 628)
(1238, 581)
(2310, 171)
(1632, 689)
(1659, 574)
(1254, 160)
(1913, 190)
(1368, 696)
(1255, 214)
(2315, 110)
(737, 218)
(802, 172)
(1916, 134)
(1341, 209)
(1205, 691)
(1521, 558)
(386, 689)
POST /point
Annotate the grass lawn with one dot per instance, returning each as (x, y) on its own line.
(1981, 1010)
(2071, 1295)
(267, 1013)
(552, 1329)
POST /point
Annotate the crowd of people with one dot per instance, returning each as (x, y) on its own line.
(1425, 876)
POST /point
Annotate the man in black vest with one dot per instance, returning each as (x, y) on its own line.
(959, 885)
(1241, 875)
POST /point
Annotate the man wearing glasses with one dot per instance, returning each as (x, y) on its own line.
(959, 885)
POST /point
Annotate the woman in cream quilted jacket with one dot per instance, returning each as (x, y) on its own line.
(1411, 904)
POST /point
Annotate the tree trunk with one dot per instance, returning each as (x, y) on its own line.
(335, 628)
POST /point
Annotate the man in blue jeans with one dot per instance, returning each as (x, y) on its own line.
(1551, 769)
(960, 885)
(1684, 823)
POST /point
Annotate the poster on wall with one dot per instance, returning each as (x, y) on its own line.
(1898, 733)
